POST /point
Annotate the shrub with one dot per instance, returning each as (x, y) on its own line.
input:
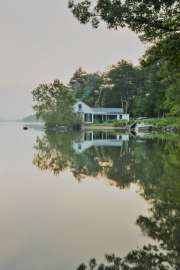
(111, 121)
(162, 123)
(169, 121)
(137, 121)
(151, 121)
(65, 118)
(96, 122)
(120, 123)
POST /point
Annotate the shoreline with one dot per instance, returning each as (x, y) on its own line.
(154, 128)
(59, 128)
(103, 127)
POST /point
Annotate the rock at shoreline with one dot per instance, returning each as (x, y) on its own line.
(62, 128)
(167, 129)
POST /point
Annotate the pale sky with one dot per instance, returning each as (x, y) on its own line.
(40, 40)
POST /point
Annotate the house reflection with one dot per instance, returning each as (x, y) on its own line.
(103, 138)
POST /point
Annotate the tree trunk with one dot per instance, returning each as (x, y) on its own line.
(122, 103)
(126, 106)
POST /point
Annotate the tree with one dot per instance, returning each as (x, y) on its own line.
(151, 97)
(165, 56)
(54, 103)
(122, 78)
(93, 89)
(156, 21)
(154, 18)
(54, 151)
(78, 82)
(85, 86)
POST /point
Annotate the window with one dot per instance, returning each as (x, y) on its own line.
(120, 116)
(112, 117)
(87, 136)
(79, 146)
(88, 117)
(112, 136)
(80, 107)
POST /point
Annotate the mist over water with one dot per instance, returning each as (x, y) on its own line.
(69, 197)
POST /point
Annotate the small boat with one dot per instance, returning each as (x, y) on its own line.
(140, 127)
(141, 140)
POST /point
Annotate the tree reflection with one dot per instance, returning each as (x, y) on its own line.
(55, 152)
(161, 187)
(153, 165)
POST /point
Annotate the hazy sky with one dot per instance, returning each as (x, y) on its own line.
(40, 40)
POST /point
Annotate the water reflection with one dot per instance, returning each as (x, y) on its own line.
(93, 139)
(96, 154)
(153, 165)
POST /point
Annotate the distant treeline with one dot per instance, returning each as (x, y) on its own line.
(7, 120)
(32, 118)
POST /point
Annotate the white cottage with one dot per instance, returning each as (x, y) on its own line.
(89, 115)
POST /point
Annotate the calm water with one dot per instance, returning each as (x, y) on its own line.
(66, 198)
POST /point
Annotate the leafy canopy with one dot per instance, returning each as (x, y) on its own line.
(152, 19)
(54, 103)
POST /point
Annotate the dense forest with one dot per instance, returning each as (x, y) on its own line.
(150, 90)
(139, 90)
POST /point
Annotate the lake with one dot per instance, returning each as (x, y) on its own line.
(66, 198)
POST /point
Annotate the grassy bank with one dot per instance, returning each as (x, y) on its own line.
(170, 122)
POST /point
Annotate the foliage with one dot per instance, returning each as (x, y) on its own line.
(122, 78)
(86, 86)
(151, 121)
(168, 75)
(155, 19)
(111, 121)
(94, 88)
(78, 82)
(136, 260)
(162, 123)
(54, 103)
(100, 123)
(96, 122)
(153, 88)
(54, 151)
(150, 90)
(120, 123)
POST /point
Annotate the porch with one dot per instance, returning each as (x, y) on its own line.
(105, 117)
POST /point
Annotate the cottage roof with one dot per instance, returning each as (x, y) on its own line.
(108, 110)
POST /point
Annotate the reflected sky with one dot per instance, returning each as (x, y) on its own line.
(55, 222)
